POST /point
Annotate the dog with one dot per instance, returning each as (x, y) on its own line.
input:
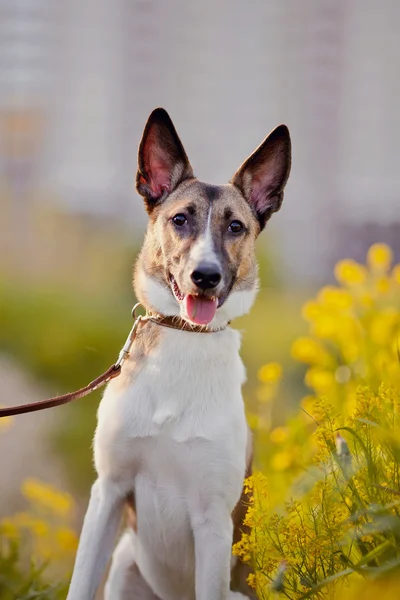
(172, 441)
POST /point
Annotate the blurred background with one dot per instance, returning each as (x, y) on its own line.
(78, 80)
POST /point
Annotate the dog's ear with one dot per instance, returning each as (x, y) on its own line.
(262, 177)
(162, 160)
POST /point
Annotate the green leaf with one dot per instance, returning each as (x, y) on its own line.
(321, 584)
(374, 553)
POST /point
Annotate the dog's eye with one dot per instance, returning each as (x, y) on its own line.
(179, 220)
(236, 227)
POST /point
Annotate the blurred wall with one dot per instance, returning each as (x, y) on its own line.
(79, 78)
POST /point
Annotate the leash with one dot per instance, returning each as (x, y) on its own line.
(115, 369)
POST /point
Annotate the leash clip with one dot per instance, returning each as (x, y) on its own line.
(123, 355)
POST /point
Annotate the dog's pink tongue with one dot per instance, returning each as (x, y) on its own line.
(200, 310)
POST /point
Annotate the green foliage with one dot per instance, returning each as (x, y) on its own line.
(26, 583)
(65, 341)
(37, 546)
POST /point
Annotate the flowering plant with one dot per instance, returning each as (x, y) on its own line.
(37, 545)
(337, 460)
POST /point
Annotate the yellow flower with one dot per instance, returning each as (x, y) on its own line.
(32, 490)
(279, 435)
(349, 272)
(8, 528)
(311, 310)
(248, 484)
(382, 284)
(325, 326)
(382, 326)
(39, 528)
(308, 403)
(67, 539)
(334, 297)
(306, 349)
(47, 496)
(281, 461)
(350, 351)
(319, 379)
(347, 328)
(381, 361)
(379, 257)
(365, 299)
(396, 274)
(251, 580)
(348, 501)
(395, 346)
(358, 329)
(368, 539)
(270, 373)
(260, 481)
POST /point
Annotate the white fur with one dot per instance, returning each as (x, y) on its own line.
(203, 250)
(237, 304)
(161, 299)
(176, 436)
(125, 582)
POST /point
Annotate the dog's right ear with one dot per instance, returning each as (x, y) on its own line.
(162, 160)
(263, 176)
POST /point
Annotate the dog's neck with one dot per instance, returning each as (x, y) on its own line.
(155, 295)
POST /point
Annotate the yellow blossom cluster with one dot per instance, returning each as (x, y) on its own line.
(43, 532)
(342, 510)
(354, 328)
(325, 512)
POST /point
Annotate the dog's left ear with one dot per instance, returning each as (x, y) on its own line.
(162, 160)
(262, 177)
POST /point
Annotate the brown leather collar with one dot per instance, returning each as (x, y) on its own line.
(182, 325)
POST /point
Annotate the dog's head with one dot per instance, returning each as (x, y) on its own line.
(198, 259)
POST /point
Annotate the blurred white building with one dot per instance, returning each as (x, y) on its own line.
(228, 73)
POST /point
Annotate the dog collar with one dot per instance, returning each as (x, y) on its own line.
(181, 324)
(172, 322)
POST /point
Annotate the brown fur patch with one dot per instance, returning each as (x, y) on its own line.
(146, 341)
(241, 571)
(131, 511)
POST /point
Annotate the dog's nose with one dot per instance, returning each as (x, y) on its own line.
(206, 276)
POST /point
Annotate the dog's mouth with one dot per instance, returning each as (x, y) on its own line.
(199, 309)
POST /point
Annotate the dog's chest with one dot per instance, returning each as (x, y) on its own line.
(186, 397)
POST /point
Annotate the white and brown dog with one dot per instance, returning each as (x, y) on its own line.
(172, 440)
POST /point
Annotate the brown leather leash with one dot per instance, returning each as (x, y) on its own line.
(115, 369)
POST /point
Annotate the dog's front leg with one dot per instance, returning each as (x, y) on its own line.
(97, 539)
(213, 532)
